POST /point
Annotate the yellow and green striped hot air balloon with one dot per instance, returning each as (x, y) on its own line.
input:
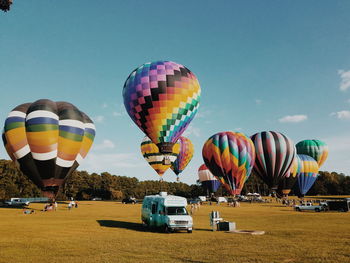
(315, 148)
(48, 140)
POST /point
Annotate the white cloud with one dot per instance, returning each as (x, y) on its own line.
(117, 114)
(258, 101)
(345, 80)
(293, 118)
(99, 119)
(106, 144)
(97, 162)
(342, 115)
(192, 130)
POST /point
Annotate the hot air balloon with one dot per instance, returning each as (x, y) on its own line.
(208, 180)
(230, 157)
(162, 98)
(274, 155)
(5, 5)
(184, 157)
(315, 148)
(155, 158)
(287, 182)
(48, 140)
(308, 173)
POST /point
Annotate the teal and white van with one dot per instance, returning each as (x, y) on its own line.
(167, 212)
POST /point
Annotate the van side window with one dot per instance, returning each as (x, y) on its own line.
(154, 208)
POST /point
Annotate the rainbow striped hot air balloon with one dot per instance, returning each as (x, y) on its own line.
(155, 158)
(230, 157)
(184, 157)
(274, 155)
(48, 140)
(162, 98)
(308, 173)
(315, 148)
(207, 179)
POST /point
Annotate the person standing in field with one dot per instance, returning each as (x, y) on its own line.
(70, 206)
(56, 205)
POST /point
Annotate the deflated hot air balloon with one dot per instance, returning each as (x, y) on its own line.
(308, 173)
(184, 157)
(48, 140)
(315, 148)
(274, 155)
(155, 158)
(230, 157)
(162, 98)
(287, 182)
(208, 180)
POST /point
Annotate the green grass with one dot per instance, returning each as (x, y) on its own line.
(111, 232)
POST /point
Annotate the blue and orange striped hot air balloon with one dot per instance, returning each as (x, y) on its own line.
(288, 181)
(230, 158)
(48, 140)
(308, 173)
(275, 153)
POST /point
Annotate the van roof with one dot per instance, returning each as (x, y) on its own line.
(169, 200)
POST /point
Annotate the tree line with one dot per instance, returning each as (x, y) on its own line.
(82, 185)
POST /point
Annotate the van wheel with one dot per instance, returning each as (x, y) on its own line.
(166, 229)
(297, 209)
(189, 231)
(317, 210)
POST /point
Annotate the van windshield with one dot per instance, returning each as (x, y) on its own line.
(176, 211)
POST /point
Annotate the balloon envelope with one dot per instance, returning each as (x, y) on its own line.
(207, 179)
(155, 158)
(48, 140)
(308, 173)
(185, 155)
(230, 157)
(274, 155)
(315, 148)
(290, 178)
(162, 98)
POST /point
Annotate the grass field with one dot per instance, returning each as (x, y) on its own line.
(111, 232)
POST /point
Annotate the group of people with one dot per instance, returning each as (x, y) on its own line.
(195, 207)
(72, 204)
(50, 207)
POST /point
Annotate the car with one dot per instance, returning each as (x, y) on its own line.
(17, 202)
(309, 207)
(129, 200)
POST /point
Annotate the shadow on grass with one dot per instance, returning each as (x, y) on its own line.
(123, 224)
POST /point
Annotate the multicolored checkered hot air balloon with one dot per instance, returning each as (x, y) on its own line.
(308, 173)
(162, 98)
(48, 140)
(207, 179)
(275, 153)
(184, 157)
(315, 148)
(157, 159)
(288, 181)
(230, 157)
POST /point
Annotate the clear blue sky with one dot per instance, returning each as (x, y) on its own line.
(257, 62)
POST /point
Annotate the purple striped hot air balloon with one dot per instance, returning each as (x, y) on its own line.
(275, 153)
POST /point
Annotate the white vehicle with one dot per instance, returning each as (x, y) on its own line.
(167, 212)
(202, 198)
(17, 202)
(309, 207)
(221, 199)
